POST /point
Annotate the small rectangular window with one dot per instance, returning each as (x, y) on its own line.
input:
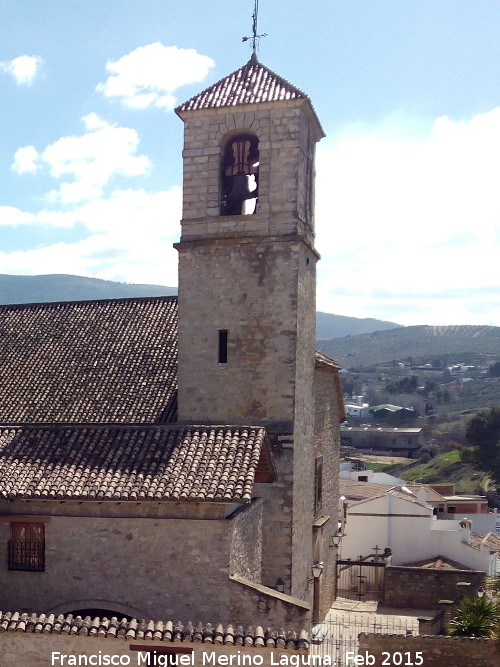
(27, 547)
(318, 484)
(223, 346)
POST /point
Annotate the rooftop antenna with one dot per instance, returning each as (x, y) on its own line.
(255, 37)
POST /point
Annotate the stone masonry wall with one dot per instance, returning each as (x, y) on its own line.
(327, 444)
(250, 290)
(165, 568)
(246, 542)
(254, 276)
(287, 133)
(303, 458)
(35, 650)
(435, 651)
(277, 516)
(422, 588)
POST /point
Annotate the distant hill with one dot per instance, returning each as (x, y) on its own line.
(60, 287)
(326, 323)
(416, 341)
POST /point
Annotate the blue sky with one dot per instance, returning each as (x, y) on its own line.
(408, 92)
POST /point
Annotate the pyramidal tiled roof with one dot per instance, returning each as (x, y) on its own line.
(251, 84)
(111, 360)
(180, 463)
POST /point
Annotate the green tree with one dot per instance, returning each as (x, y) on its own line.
(483, 433)
(475, 617)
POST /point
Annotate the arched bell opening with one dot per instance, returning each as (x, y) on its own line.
(239, 176)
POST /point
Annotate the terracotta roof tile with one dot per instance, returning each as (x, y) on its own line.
(162, 631)
(112, 360)
(490, 540)
(438, 563)
(251, 84)
(122, 462)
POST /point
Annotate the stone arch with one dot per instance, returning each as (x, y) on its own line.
(117, 607)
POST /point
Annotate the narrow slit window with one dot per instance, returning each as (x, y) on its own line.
(223, 346)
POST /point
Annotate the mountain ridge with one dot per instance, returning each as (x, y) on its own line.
(413, 341)
(17, 289)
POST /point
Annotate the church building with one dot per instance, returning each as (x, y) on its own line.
(177, 457)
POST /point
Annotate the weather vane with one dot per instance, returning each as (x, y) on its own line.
(255, 37)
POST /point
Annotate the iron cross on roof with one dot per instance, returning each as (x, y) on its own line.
(255, 37)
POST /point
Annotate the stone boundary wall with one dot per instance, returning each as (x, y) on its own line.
(421, 588)
(265, 605)
(436, 651)
(35, 650)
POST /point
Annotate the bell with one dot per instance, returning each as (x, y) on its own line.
(241, 188)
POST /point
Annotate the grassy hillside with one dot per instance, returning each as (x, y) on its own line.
(416, 341)
(446, 468)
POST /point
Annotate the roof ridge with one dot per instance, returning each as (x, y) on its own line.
(139, 425)
(164, 297)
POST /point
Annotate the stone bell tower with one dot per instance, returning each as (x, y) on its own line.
(247, 279)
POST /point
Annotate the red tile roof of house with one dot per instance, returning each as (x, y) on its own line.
(181, 463)
(112, 360)
(490, 540)
(158, 631)
(438, 563)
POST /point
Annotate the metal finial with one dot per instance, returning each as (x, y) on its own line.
(255, 37)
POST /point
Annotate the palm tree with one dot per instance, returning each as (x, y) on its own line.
(475, 617)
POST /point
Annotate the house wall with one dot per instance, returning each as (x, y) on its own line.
(410, 530)
(436, 651)
(482, 523)
(388, 521)
(152, 568)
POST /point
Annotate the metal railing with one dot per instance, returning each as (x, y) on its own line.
(337, 637)
(28, 556)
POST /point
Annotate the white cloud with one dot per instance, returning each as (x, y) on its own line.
(149, 75)
(402, 217)
(25, 160)
(23, 69)
(131, 234)
(89, 161)
(10, 216)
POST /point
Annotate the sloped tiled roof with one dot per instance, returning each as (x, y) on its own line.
(323, 359)
(490, 540)
(251, 84)
(158, 631)
(438, 563)
(112, 360)
(120, 462)
(432, 495)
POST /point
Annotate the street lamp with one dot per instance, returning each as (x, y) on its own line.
(335, 541)
(317, 571)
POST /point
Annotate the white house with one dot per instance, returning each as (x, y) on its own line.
(402, 521)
